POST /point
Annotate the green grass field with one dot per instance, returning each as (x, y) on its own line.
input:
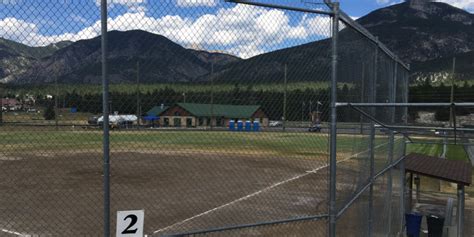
(283, 143)
(300, 144)
(454, 152)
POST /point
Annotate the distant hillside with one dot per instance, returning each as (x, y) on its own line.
(15, 48)
(439, 70)
(161, 60)
(418, 34)
(16, 58)
(427, 36)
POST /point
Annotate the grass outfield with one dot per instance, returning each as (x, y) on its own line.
(279, 143)
(454, 152)
(302, 144)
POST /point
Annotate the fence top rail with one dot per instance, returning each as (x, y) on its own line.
(298, 9)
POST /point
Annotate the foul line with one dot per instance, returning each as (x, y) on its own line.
(12, 232)
(261, 191)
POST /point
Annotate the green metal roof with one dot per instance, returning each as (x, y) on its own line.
(219, 110)
(156, 111)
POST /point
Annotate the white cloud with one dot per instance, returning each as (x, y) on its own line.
(241, 30)
(465, 4)
(382, 2)
(132, 5)
(389, 2)
(29, 33)
(79, 19)
(195, 3)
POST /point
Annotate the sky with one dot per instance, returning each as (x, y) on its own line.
(214, 25)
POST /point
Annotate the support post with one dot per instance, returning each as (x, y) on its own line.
(1, 104)
(451, 98)
(402, 196)
(410, 193)
(460, 210)
(56, 95)
(284, 118)
(105, 112)
(372, 98)
(212, 97)
(417, 183)
(333, 147)
(391, 144)
(139, 112)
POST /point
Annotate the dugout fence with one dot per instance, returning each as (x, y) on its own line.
(222, 118)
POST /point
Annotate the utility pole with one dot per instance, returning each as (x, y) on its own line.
(1, 104)
(212, 94)
(362, 93)
(302, 113)
(56, 110)
(284, 96)
(451, 118)
(138, 95)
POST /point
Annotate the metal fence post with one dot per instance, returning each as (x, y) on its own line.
(105, 124)
(372, 98)
(1, 105)
(333, 148)
(460, 210)
(392, 89)
(402, 195)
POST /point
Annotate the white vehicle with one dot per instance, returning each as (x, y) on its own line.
(119, 120)
(275, 124)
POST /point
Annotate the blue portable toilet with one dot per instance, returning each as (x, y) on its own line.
(256, 126)
(248, 126)
(240, 125)
(232, 125)
(413, 224)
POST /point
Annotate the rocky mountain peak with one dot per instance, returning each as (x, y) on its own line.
(422, 30)
(418, 4)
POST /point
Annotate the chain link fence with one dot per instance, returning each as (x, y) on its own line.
(218, 120)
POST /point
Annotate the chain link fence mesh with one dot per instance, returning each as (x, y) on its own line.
(367, 177)
(219, 121)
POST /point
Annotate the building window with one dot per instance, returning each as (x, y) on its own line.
(219, 121)
(177, 122)
(189, 122)
(201, 121)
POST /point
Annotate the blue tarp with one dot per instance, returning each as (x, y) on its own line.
(151, 118)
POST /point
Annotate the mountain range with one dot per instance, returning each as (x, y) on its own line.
(426, 36)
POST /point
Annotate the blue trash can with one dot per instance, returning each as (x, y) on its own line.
(256, 126)
(232, 125)
(240, 125)
(248, 126)
(413, 224)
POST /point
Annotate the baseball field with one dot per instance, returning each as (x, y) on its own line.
(51, 180)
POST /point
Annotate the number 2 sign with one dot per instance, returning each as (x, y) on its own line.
(130, 223)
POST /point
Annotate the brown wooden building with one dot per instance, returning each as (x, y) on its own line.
(217, 115)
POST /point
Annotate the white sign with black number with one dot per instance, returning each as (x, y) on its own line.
(130, 223)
